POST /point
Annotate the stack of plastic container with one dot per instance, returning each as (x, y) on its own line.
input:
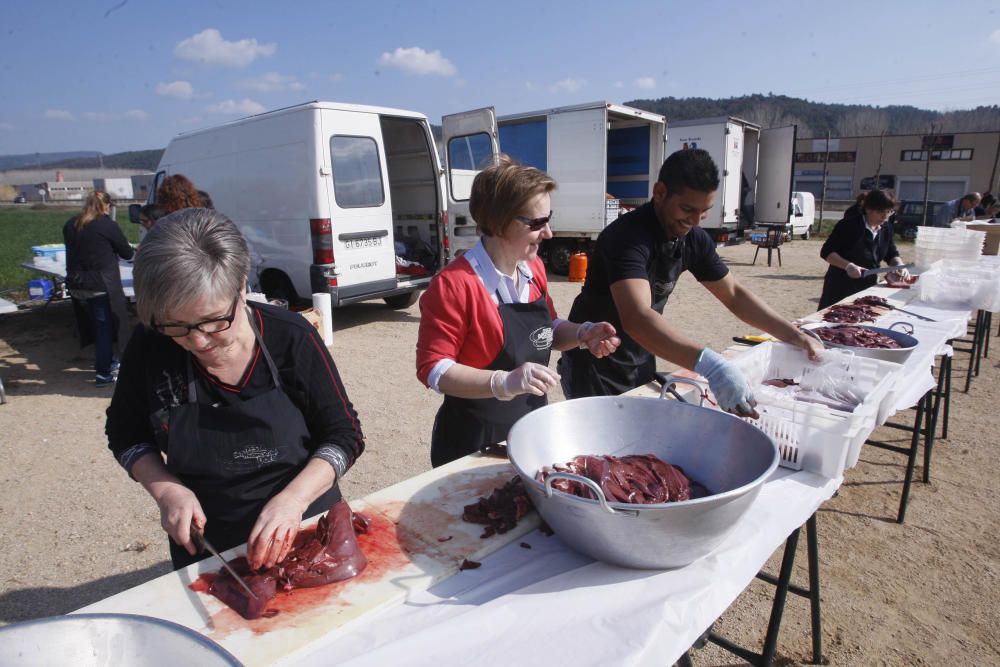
(972, 285)
(937, 243)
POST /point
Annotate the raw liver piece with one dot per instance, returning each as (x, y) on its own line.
(637, 478)
(329, 554)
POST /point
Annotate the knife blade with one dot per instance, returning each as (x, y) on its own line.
(910, 312)
(205, 545)
(885, 269)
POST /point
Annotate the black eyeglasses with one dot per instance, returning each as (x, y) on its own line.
(212, 326)
(534, 224)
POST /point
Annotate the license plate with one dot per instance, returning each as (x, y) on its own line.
(370, 242)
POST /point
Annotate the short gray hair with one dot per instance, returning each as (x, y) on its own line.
(191, 254)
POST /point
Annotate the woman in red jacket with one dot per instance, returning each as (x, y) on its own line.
(487, 323)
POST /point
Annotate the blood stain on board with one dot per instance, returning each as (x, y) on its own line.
(385, 548)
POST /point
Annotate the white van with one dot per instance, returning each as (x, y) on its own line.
(803, 214)
(337, 198)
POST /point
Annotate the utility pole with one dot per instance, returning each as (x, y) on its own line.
(822, 192)
(931, 140)
(878, 169)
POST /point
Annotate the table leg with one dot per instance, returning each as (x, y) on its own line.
(812, 546)
(912, 459)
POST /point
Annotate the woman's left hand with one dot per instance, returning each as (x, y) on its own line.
(274, 533)
(600, 338)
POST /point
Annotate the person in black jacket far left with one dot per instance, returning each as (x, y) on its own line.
(94, 242)
(858, 242)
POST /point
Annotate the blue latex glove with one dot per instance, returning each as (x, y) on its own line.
(727, 383)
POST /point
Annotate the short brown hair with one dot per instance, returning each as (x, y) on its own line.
(501, 192)
(879, 200)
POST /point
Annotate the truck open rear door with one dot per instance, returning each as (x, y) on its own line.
(470, 141)
(774, 175)
(577, 146)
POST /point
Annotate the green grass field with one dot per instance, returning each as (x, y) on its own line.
(22, 227)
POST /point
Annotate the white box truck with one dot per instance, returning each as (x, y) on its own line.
(755, 171)
(604, 157)
(118, 188)
(337, 198)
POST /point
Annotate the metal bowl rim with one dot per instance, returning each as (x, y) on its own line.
(715, 497)
(143, 620)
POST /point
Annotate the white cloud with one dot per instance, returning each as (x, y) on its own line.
(567, 85)
(58, 114)
(272, 82)
(415, 60)
(136, 114)
(619, 84)
(645, 82)
(181, 90)
(336, 77)
(244, 106)
(6, 126)
(995, 37)
(209, 47)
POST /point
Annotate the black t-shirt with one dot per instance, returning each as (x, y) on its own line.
(93, 252)
(154, 376)
(628, 248)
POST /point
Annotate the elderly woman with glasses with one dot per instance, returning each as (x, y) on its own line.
(230, 414)
(487, 323)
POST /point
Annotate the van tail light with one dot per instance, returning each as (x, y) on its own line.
(445, 239)
(322, 240)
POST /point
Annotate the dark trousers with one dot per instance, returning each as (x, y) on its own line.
(99, 308)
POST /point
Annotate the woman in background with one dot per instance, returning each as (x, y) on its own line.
(177, 192)
(94, 242)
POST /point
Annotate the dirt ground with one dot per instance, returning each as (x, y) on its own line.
(75, 529)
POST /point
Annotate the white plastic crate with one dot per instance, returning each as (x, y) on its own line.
(969, 285)
(810, 436)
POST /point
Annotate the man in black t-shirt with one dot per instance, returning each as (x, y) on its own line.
(634, 268)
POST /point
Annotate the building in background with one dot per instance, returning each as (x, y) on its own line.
(960, 162)
(72, 185)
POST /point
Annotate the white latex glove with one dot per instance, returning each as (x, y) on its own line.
(854, 271)
(528, 378)
(901, 274)
(727, 383)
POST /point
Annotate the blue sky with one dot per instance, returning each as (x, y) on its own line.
(113, 76)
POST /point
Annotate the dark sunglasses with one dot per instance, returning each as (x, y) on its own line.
(214, 325)
(534, 224)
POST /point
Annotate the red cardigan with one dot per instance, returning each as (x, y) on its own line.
(459, 319)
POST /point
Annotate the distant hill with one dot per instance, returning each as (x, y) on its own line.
(145, 160)
(32, 160)
(815, 119)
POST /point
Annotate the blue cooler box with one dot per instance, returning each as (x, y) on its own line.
(40, 289)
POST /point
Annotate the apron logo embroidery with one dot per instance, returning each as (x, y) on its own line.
(257, 454)
(541, 338)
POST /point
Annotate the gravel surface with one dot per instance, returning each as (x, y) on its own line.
(75, 529)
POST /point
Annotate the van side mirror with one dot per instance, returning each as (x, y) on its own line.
(133, 213)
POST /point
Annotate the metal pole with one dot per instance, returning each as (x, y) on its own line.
(927, 177)
(822, 192)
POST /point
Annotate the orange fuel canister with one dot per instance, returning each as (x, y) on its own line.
(578, 267)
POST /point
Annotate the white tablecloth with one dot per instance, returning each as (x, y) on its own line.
(549, 605)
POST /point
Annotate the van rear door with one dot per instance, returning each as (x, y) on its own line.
(359, 203)
(470, 145)
(774, 175)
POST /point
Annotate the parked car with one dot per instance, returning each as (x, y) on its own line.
(911, 215)
(20, 200)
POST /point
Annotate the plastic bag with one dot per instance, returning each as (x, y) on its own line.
(830, 383)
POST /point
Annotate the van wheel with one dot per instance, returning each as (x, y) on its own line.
(278, 286)
(806, 234)
(400, 301)
(558, 257)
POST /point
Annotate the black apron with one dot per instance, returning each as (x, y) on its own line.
(466, 425)
(236, 458)
(865, 253)
(631, 365)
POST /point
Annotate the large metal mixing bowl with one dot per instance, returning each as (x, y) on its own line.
(731, 458)
(96, 640)
(907, 343)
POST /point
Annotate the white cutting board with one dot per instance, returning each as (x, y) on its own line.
(401, 558)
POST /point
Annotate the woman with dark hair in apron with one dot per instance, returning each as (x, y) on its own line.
(231, 414)
(487, 323)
